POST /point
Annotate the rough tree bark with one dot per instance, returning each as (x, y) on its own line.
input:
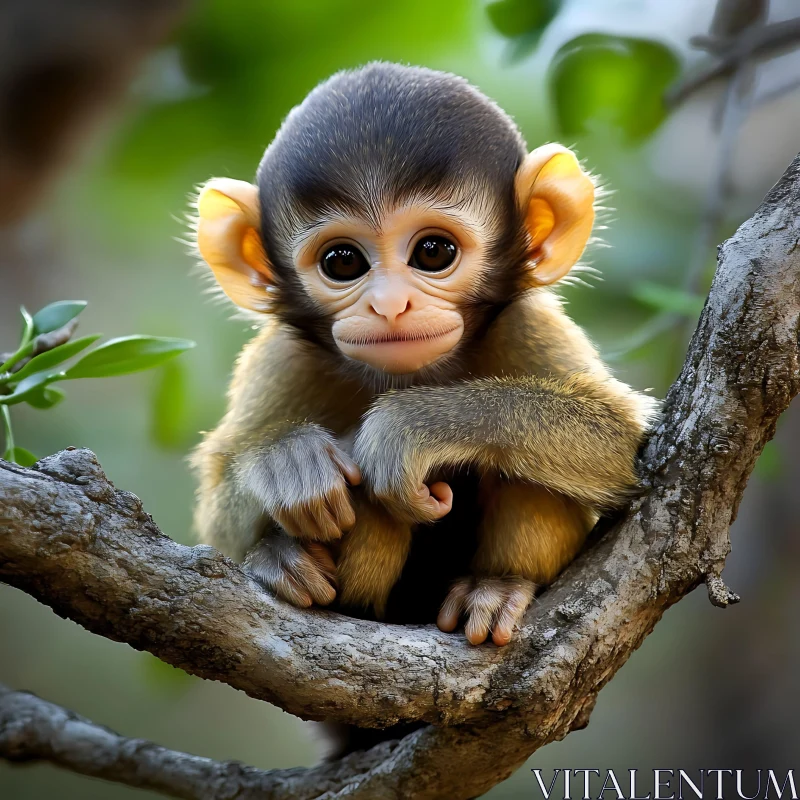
(90, 552)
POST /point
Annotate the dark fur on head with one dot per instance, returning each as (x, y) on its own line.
(368, 139)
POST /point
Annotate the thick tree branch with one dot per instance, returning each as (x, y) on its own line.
(90, 552)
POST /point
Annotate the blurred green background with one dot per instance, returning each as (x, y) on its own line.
(708, 689)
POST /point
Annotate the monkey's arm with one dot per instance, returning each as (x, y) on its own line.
(577, 435)
(274, 456)
(292, 476)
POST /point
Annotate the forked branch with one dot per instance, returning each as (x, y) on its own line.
(90, 552)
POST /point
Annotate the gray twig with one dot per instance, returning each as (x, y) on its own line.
(759, 41)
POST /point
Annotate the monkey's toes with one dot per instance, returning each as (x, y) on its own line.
(488, 604)
(300, 575)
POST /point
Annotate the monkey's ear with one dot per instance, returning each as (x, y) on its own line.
(228, 239)
(557, 201)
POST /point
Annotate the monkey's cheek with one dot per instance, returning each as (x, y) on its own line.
(402, 358)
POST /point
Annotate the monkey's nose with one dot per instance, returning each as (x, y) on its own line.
(389, 303)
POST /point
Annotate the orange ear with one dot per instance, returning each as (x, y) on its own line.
(229, 241)
(557, 201)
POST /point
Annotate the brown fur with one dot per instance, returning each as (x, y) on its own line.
(372, 557)
(529, 531)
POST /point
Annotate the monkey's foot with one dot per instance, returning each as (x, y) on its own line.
(488, 604)
(300, 573)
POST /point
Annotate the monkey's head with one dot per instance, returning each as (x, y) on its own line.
(395, 213)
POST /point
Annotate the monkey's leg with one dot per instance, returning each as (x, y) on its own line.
(372, 556)
(528, 534)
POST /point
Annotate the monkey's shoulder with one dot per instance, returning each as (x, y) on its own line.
(279, 376)
(533, 335)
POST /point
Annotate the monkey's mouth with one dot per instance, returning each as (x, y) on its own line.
(396, 337)
(402, 350)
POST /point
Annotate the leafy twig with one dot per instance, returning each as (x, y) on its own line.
(27, 374)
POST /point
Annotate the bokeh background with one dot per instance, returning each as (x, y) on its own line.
(709, 688)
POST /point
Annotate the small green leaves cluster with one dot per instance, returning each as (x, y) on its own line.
(47, 354)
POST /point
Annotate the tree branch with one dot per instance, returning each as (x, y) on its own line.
(730, 52)
(91, 553)
(32, 729)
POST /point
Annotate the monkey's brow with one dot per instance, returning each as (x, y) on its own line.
(300, 236)
(449, 209)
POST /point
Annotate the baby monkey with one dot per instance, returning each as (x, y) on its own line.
(413, 365)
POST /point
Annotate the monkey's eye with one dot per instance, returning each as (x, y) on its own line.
(433, 254)
(344, 262)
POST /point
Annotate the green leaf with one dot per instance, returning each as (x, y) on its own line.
(45, 397)
(21, 456)
(127, 354)
(56, 315)
(32, 384)
(518, 17)
(27, 325)
(8, 431)
(520, 47)
(55, 356)
(663, 298)
(612, 80)
(170, 401)
(23, 352)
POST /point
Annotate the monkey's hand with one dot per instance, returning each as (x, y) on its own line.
(301, 574)
(488, 604)
(301, 481)
(393, 472)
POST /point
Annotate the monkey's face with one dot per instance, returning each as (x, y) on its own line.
(394, 291)
(395, 214)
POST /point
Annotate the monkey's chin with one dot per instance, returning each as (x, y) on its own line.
(402, 357)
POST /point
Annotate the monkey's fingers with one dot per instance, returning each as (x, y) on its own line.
(310, 521)
(324, 527)
(291, 521)
(329, 516)
(289, 590)
(435, 501)
(324, 559)
(341, 507)
(348, 467)
(494, 605)
(272, 569)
